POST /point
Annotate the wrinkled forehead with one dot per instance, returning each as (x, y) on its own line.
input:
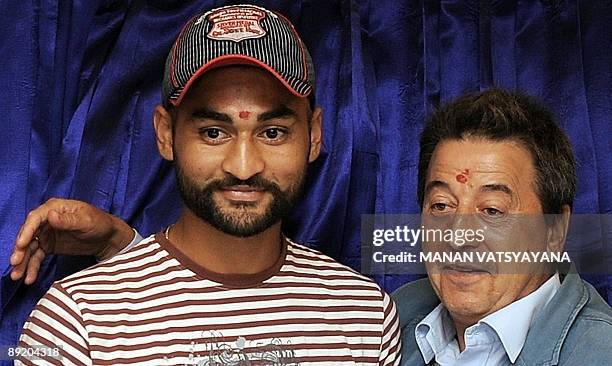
(478, 162)
(480, 155)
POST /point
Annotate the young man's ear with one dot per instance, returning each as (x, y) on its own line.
(162, 121)
(557, 231)
(315, 134)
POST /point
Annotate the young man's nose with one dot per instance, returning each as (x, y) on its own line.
(244, 159)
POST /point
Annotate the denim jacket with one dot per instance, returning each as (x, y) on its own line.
(575, 328)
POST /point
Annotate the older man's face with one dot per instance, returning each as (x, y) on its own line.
(482, 184)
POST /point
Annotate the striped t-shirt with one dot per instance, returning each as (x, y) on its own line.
(154, 306)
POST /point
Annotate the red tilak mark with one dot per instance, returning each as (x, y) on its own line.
(244, 114)
(462, 177)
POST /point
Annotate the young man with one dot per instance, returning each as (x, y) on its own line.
(496, 161)
(223, 286)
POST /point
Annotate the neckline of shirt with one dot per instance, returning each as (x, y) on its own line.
(234, 280)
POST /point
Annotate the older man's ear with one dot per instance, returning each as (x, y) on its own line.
(557, 231)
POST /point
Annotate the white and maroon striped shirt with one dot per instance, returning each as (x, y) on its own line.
(154, 306)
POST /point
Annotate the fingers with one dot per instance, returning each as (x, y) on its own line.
(30, 265)
(17, 256)
(59, 213)
(34, 224)
(34, 266)
(20, 267)
(57, 226)
(31, 225)
(38, 217)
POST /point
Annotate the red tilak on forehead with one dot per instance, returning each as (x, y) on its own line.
(244, 114)
(463, 176)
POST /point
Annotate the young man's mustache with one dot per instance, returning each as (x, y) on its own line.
(255, 182)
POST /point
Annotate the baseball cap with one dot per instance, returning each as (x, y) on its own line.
(237, 35)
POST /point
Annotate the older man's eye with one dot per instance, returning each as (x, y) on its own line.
(439, 207)
(493, 212)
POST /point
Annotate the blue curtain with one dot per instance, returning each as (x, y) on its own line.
(80, 80)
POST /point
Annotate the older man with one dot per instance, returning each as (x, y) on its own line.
(496, 161)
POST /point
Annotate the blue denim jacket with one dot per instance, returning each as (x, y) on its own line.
(575, 328)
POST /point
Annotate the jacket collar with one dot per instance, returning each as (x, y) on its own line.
(546, 336)
(414, 301)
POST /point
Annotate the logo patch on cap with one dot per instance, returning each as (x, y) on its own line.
(236, 24)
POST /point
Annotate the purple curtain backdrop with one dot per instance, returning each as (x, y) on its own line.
(80, 80)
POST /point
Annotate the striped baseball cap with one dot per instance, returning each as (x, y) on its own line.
(237, 35)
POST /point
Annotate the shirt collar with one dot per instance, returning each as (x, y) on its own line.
(434, 332)
(522, 313)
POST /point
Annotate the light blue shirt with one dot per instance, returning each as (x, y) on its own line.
(496, 338)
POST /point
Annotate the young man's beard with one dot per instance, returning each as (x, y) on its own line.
(200, 200)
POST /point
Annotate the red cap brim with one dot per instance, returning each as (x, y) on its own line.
(229, 60)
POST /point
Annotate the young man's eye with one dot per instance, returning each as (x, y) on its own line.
(273, 134)
(213, 134)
